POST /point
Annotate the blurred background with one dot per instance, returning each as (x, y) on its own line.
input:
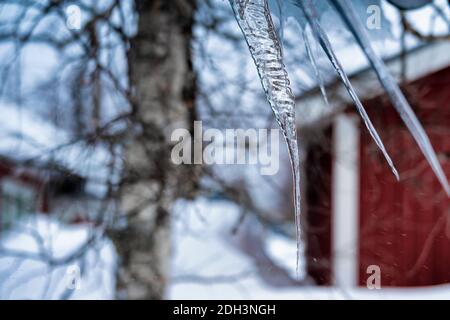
(93, 207)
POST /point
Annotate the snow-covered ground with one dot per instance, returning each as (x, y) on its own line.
(24, 276)
(206, 262)
(206, 265)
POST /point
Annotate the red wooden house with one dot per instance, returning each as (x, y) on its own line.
(357, 214)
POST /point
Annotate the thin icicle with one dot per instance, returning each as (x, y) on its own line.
(313, 60)
(347, 12)
(255, 21)
(320, 34)
(278, 9)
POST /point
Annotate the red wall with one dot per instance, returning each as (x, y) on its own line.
(317, 225)
(405, 227)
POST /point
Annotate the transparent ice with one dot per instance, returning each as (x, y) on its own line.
(350, 17)
(255, 21)
(309, 12)
(264, 41)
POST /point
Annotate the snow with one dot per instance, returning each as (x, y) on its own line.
(30, 278)
(205, 262)
(203, 252)
(282, 250)
(206, 265)
(201, 227)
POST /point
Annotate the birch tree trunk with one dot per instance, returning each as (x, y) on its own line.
(164, 92)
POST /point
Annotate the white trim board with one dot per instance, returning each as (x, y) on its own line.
(345, 200)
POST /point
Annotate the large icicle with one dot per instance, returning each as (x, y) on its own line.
(321, 36)
(255, 21)
(347, 12)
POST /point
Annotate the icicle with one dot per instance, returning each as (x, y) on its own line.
(277, 8)
(254, 19)
(313, 60)
(347, 12)
(319, 33)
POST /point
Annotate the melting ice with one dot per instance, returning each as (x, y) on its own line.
(255, 20)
